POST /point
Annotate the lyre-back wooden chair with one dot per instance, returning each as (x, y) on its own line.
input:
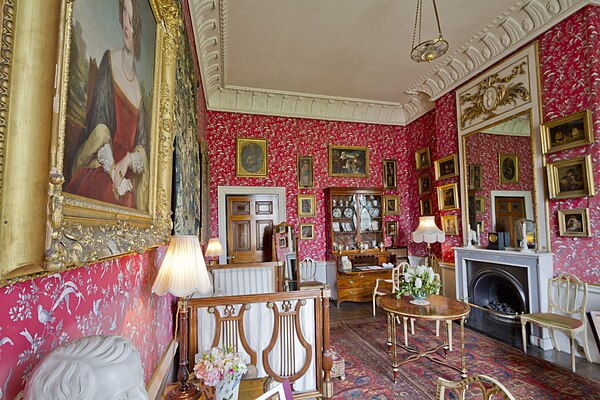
(394, 282)
(487, 385)
(307, 275)
(567, 296)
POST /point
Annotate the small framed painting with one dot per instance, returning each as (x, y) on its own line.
(449, 223)
(448, 196)
(307, 231)
(389, 174)
(474, 176)
(422, 158)
(305, 172)
(571, 178)
(566, 132)
(574, 222)
(424, 184)
(479, 204)
(508, 168)
(391, 228)
(446, 167)
(306, 205)
(348, 161)
(392, 204)
(425, 206)
(251, 157)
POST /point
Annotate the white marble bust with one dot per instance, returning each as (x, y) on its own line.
(104, 367)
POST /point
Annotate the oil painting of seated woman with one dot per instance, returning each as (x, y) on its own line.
(109, 163)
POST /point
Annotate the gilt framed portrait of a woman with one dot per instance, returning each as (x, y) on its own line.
(111, 161)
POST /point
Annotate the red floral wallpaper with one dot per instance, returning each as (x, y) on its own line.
(447, 144)
(109, 297)
(570, 77)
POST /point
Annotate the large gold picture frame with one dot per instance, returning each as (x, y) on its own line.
(567, 132)
(49, 233)
(570, 178)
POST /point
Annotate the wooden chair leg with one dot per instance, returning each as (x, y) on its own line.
(373, 305)
(524, 336)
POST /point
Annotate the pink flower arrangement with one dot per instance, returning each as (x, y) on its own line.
(218, 364)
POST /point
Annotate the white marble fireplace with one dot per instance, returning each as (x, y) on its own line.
(532, 269)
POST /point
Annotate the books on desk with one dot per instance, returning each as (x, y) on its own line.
(387, 265)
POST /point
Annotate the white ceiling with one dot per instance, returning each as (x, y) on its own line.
(349, 59)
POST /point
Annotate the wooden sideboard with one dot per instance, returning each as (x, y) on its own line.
(357, 285)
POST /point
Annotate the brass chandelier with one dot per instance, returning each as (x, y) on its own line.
(431, 49)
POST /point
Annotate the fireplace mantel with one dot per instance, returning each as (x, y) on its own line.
(539, 270)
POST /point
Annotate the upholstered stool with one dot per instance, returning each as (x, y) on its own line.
(338, 370)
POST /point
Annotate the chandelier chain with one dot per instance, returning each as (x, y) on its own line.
(437, 18)
(418, 19)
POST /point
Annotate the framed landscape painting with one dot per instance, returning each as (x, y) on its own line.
(446, 167)
(348, 161)
(567, 132)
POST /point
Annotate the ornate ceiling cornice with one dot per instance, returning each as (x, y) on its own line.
(519, 24)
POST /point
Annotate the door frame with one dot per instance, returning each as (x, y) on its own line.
(224, 191)
(525, 194)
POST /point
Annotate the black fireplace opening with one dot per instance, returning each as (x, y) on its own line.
(499, 294)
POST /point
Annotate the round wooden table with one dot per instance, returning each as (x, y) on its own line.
(440, 308)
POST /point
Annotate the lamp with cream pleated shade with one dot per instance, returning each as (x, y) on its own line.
(213, 250)
(183, 272)
(428, 232)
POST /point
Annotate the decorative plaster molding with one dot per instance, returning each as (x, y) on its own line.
(519, 24)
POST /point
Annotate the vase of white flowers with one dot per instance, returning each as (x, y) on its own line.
(221, 370)
(420, 282)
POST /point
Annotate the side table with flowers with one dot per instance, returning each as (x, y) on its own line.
(419, 281)
(221, 370)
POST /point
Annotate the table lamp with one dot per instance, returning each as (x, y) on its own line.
(214, 250)
(428, 232)
(182, 273)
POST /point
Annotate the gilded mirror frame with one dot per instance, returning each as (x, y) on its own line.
(507, 90)
(47, 230)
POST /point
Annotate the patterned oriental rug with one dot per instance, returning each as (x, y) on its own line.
(369, 371)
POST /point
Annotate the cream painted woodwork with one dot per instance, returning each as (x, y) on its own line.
(250, 221)
(348, 60)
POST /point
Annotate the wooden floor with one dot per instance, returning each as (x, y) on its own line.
(363, 311)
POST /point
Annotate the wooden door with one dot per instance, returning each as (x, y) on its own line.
(508, 210)
(250, 222)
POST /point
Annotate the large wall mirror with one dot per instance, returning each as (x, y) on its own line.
(501, 168)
